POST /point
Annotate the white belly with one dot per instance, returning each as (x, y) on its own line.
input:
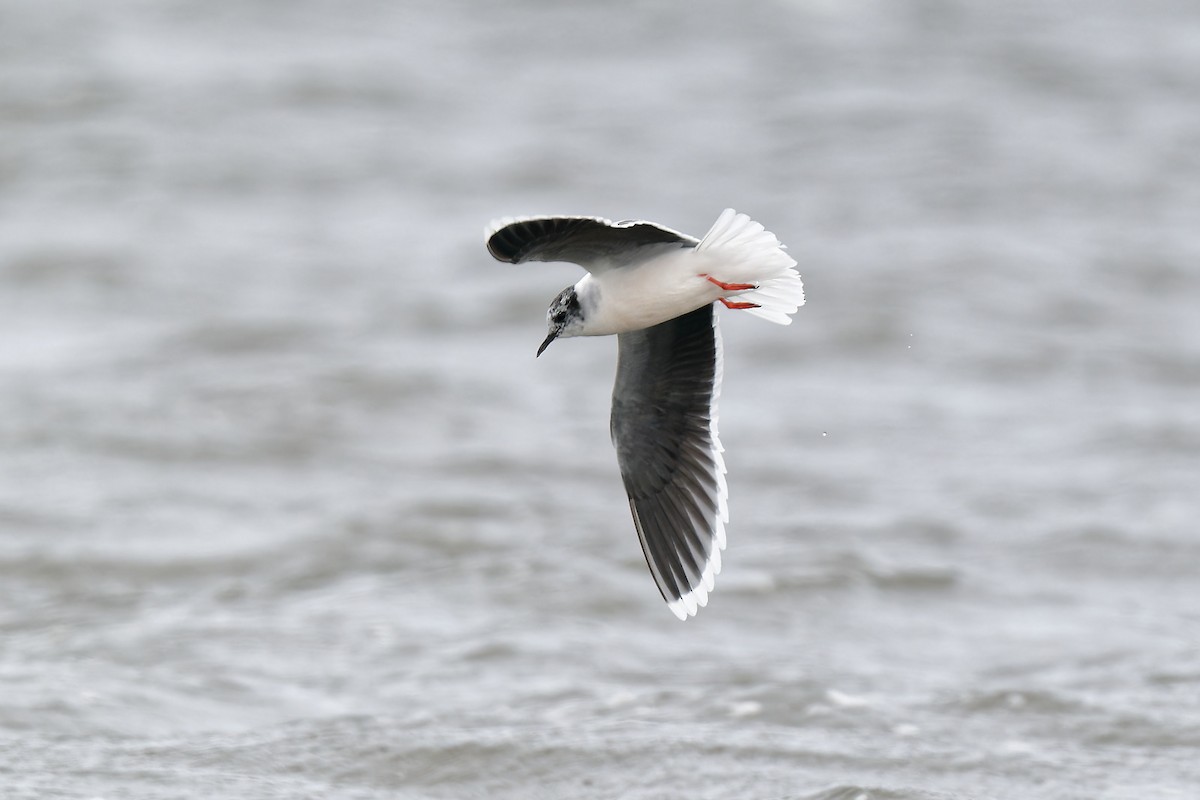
(636, 297)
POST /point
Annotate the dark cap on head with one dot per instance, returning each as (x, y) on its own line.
(563, 314)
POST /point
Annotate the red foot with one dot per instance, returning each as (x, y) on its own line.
(730, 287)
(732, 304)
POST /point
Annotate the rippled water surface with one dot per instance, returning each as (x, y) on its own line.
(288, 509)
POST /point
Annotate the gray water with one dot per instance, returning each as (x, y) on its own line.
(288, 508)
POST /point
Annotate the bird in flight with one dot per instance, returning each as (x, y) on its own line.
(656, 289)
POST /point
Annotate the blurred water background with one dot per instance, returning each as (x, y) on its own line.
(288, 509)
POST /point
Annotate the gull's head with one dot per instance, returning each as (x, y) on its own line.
(564, 318)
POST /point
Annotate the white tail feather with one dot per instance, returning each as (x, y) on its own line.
(740, 250)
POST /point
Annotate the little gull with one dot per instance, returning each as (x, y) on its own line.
(656, 288)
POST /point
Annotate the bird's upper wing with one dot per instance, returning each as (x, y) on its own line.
(664, 427)
(592, 242)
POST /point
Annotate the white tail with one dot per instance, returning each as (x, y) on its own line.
(743, 251)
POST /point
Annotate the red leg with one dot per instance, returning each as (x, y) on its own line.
(730, 287)
(732, 304)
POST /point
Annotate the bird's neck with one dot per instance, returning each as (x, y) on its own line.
(588, 292)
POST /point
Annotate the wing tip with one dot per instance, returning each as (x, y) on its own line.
(679, 610)
(507, 237)
(690, 602)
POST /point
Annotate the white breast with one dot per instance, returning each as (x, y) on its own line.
(646, 294)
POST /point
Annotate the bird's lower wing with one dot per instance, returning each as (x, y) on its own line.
(664, 427)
